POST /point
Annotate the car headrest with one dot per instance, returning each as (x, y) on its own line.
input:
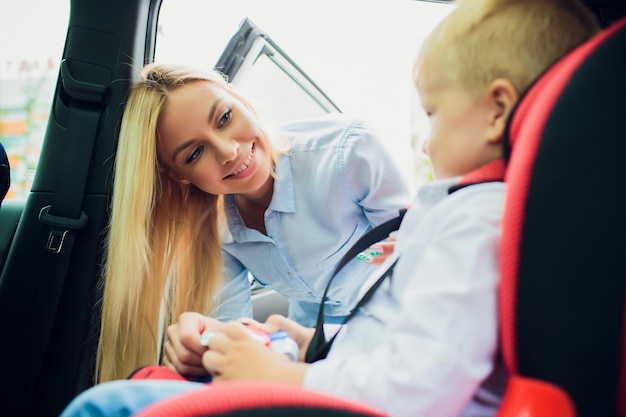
(607, 11)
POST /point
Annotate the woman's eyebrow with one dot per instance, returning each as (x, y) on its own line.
(214, 107)
(182, 147)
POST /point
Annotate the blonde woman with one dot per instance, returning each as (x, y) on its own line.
(204, 195)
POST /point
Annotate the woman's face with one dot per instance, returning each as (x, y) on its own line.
(208, 138)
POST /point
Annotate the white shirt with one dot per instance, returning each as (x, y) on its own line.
(425, 343)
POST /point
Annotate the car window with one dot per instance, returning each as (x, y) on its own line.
(281, 89)
(33, 34)
(358, 53)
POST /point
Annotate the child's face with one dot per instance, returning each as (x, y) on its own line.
(460, 126)
(210, 139)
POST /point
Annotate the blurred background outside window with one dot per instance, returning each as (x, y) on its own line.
(359, 52)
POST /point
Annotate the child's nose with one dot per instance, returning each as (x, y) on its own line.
(425, 146)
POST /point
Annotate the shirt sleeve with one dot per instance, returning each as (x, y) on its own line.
(234, 300)
(371, 175)
(424, 344)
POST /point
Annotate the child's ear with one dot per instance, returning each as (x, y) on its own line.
(173, 175)
(502, 96)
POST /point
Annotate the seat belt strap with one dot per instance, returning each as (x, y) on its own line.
(65, 214)
(323, 348)
(378, 233)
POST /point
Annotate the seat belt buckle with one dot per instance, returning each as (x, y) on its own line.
(59, 228)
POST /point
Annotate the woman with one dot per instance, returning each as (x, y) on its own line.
(205, 195)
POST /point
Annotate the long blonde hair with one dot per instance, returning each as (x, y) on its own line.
(163, 250)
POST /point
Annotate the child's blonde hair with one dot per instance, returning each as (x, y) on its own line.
(163, 250)
(483, 40)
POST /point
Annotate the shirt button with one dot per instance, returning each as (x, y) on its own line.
(291, 274)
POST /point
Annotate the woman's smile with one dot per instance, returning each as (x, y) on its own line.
(244, 170)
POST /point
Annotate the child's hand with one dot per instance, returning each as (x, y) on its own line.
(276, 322)
(300, 334)
(235, 354)
(182, 350)
(378, 252)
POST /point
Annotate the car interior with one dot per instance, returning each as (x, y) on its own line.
(563, 295)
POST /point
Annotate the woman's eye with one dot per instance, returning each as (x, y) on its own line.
(225, 118)
(194, 155)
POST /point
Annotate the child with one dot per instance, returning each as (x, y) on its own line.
(426, 342)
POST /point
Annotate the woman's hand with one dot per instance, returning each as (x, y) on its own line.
(183, 348)
(378, 252)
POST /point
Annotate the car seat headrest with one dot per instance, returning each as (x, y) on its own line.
(563, 289)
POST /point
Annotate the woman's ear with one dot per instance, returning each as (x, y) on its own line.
(502, 96)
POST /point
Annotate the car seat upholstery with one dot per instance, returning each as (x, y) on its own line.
(562, 295)
(249, 398)
(563, 269)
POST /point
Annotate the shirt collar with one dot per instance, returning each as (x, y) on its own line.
(283, 199)
(436, 191)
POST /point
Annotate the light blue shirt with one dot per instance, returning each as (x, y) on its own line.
(335, 183)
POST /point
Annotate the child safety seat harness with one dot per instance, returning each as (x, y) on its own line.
(319, 347)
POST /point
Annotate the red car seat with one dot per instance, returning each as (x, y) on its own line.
(250, 399)
(563, 264)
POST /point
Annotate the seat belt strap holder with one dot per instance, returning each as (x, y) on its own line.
(59, 228)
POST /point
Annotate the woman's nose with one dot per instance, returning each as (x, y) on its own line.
(226, 150)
